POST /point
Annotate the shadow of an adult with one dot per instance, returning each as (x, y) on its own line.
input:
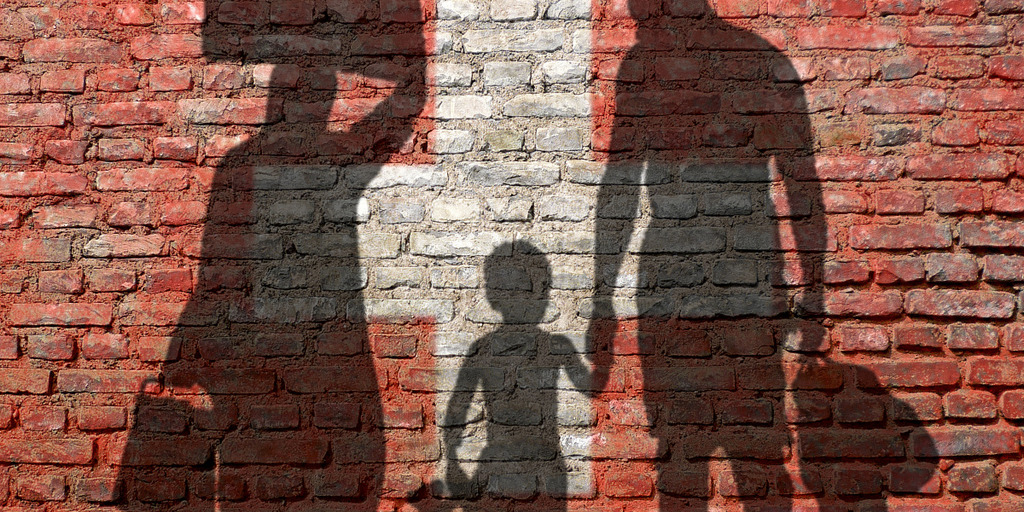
(512, 439)
(274, 399)
(715, 295)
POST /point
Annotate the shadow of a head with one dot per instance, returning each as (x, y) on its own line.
(518, 277)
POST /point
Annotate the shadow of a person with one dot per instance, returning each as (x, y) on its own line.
(715, 295)
(518, 369)
(275, 397)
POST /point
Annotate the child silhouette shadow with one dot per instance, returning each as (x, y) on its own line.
(518, 369)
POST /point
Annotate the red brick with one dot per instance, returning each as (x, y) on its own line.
(124, 113)
(61, 281)
(738, 8)
(863, 304)
(986, 99)
(951, 268)
(911, 373)
(959, 200)
(842, 201)
(241, 381)
(21, 184)
(973, 337)
(133, 14)
(160, 489)
(148, 179)
(952, 303)
(274, 417)
(917, 407)
(789, 376)
(1007, 201)
(273, 451)
(898, 201)
(956, 133)
(61, 314)
(956, 67)
(170, 79)
(117, 80)
(32, 381)
(225, 111)
(66, 450)
(917, 336)
(115, 150)
(336, 415)
(902, 236)
(66, 217)
(220, 77)
(906, 100)
(898, 270)
(962, 36)
(183, 13)
(127, 214)
(1013, 337)
(744, 412)
(995, 372)
(1004, 133)
(18, 154)
(847, 38)
(183, 149)
(158, 348)
(167, 46)
(957, 7)
(14, 83)
(99, 490)
(861, 339)
(846, 272)
(864, 444)
(101, 418)
(991, 234)
(301, 12)
(918, 479)
(43, 418)
(858, 481)
(70, 152)
(278, 487)
(859, 410)
(177, 452)
(631, 444)
(106, 381)
(1011, 404)
(959, 167)
(965, 403)
(844, 8)
(628, 485)
(42, 488)
(963, 441)
(71, 80)
(168, 280)
(402, 416)
(71, 50)
(8, 347)
(111, 280)
(1009, 67)
(973, 477)
(51, 347)
(1013, 476)
(104, 346)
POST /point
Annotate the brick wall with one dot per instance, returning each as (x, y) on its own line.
(511, 255)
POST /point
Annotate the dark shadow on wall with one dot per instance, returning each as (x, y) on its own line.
(274, 397)
(719, 298)
(514, 439)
